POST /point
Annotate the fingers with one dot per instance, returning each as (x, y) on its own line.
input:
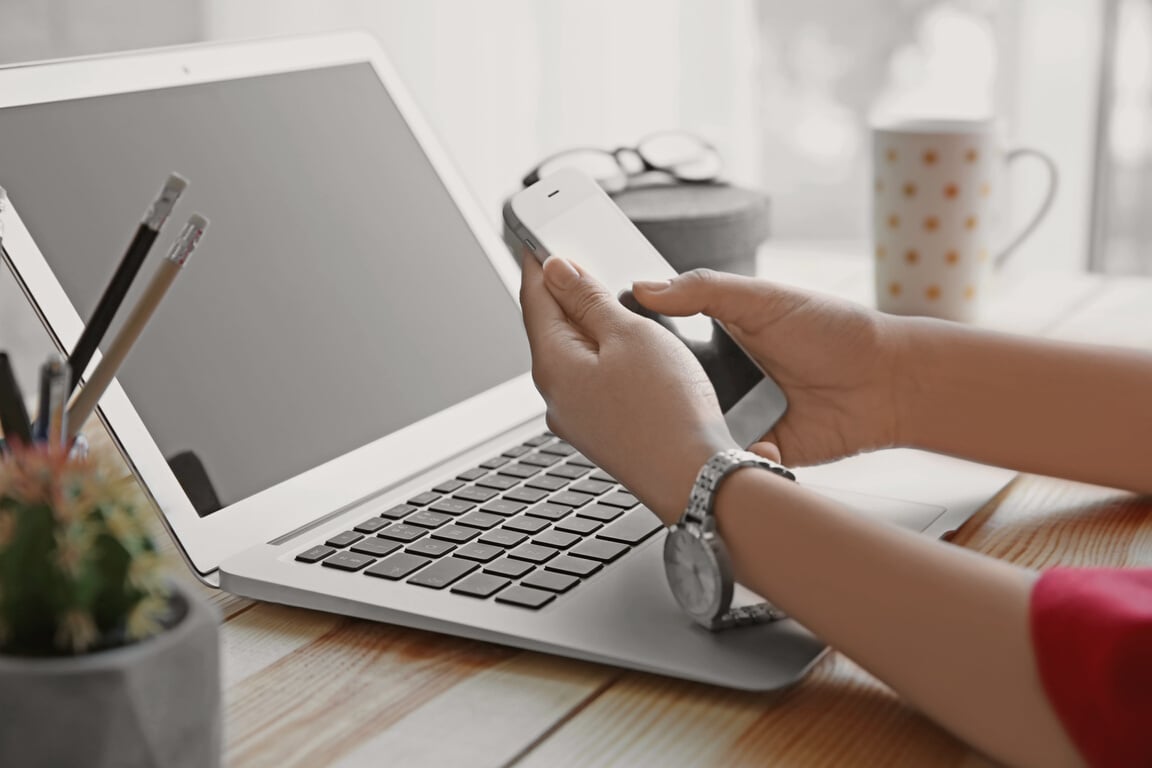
(585, 302)
(543, 317)
(766, 450)
(729, 298)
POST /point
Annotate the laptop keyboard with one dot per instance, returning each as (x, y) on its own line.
(520, 529)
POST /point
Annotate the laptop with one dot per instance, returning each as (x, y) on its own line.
(333, 408)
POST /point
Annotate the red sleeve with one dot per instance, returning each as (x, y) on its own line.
(1092, 631)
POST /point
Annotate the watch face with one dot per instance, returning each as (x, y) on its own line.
(693, 574)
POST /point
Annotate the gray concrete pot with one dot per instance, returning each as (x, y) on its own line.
(152, 703)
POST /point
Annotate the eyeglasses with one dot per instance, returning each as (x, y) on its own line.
(686, 158)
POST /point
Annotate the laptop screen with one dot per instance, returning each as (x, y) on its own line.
(339, 294)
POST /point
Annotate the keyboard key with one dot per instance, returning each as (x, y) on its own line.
(371, 525)
(556, 539)
(430, 548)
(441, 574)
(636, 525)
(481, 520)
(599, 550)
(474, 493)
(520, 471)
(480, 585)
(452, 506)
(541, 459)
(402, 532)
(570, 498)
(495, 462)
(398, 511)
(348, 561)
(483, 553)
(341, 540)
(580, 525)
(540, 440)
(560, 448)
(426, 518)
(456, 533)
(527, 495)
(580, 460)
(499, 482)
(503, 507)
(448, 486)
(424, 499)
(600, 512)
(376, 547)
(319, 552)
(472, 474)
(549, 511)
(602, 476)
(594, 487)
(551, 581)
(513, 569)
(547, 482)
(533, 553)
(574, 565)
(503, 538)
(517, 451)
(398, 566)
(526, 524)
(570, 471)
(526, 597)
(621, 499)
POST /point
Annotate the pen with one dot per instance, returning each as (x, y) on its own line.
(13, 414)
(86, 399)
(51, 419)
(122, 279)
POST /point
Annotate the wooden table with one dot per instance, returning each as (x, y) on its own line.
(307, 688)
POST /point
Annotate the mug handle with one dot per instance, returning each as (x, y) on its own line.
(1045, 204)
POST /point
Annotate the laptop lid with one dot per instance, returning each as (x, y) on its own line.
(349, 320)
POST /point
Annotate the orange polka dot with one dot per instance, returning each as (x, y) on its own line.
(952, 257)
(931, 223)
(970, 222)
(893, 222)
(985, 189)
(930, 157)
(982, 256)
(881, 252)
(912, 256)
(971, 156)
(969, 292)
(891, 155)
(895, 288)
(933, 292)
(951, 191)
(909, 190)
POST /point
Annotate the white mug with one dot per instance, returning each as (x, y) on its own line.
(938, 188)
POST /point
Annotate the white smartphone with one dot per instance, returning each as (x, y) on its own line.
(568, 214)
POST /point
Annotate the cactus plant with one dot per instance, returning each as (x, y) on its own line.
(79, 571)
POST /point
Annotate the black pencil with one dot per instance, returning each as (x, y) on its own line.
(13, 412)
(122, 279)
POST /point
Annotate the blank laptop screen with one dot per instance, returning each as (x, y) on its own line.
(338, 295)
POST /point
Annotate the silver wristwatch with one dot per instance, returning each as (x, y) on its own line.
(695, 559)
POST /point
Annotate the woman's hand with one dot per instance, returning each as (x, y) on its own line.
(619, 387)
(836, 362)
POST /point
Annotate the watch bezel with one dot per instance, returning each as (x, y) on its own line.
(715, 553)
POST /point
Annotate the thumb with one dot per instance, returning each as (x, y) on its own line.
(766, 450)
(585, 302)
(729, 298)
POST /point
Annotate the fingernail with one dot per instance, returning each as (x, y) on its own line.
(562, 274)
(653, 286)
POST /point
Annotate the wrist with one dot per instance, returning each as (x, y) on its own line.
(695, 455)
(904, 359)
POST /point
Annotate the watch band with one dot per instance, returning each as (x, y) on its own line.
(702, 498)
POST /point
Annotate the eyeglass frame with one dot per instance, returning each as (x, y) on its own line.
(647, 166)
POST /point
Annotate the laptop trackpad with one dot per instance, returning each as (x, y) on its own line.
(907, 514)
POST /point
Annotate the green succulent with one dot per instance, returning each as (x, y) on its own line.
(78, 569)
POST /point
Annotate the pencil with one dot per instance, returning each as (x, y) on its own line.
(86, 399)
(13, 413)
(50, 419)
(122, 278)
